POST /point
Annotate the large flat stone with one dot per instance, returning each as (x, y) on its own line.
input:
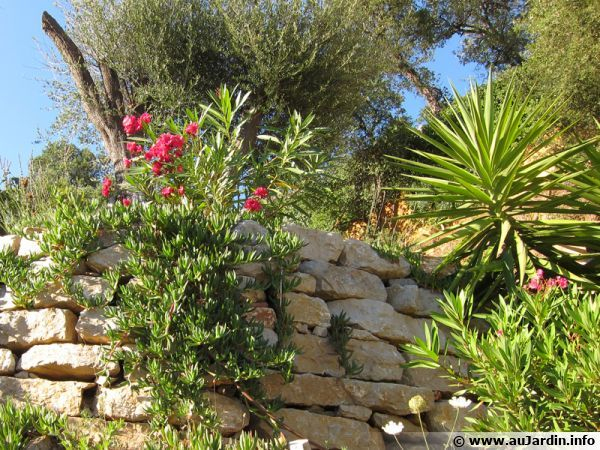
(306, 390)
(93, 326)
(360, 255)
(335, 282)
(387, 397)
(131, 436)
(380, 360)
(122, 402)
(414, 300)
(307, 284)
(327, 431)
(67, 361)
(434, 379)
(64, 397)
(380, 319)
(232, 415)
(319, 245)
(7, 301)
(442, 416)
(7, 362)
(10, 242)
(29, 248)
(312, 311)
(316, 355)
(53, 297)
(20, 330)
(107, 258)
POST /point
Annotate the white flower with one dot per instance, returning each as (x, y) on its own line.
(393, 428)
(459, 402)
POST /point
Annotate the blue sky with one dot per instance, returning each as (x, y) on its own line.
(26, 110)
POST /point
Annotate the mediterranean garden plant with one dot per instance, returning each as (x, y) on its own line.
(534, 360)
(182, 325)
(508, 191)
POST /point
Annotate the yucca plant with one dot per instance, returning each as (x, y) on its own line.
(497, 173)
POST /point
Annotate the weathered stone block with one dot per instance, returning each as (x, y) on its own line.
(53, 297)
(232, 415)
(442, 415)
(7, 362)
(7, 302)
(307, 285)
(360, 255)
(122, 402)
(20, 330)
(66, 361)
(28, 248)
(64, 397)
(334, 282)
(107, 258)
(380, 360)
(380, 319)
(330, 431)
(309, 310)
(414, 300)
(434, 379)
(93, 326)
(355, 412)
(266, 316)
(10, 241)
(387, 397)
(132, 436)
(320, 245)
(316, 355)
(306, 390)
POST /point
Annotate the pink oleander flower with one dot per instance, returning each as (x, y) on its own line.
(157, 168)
(146, 118)
(499, 333)
(191, 129)
(134, 148)
(126, 201)
(181, 190)
(127, 163)
(131, 125)
(179, 168)
(562, 282)
(534, 284)
(540, 274)
(261, 192)
(167, 191)
(106, 184)
(252, 205)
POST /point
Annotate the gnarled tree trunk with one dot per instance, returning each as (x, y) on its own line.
(104, 114)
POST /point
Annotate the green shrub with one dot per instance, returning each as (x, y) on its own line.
(535, 360)
(497, 172)
(189, 187)
(22, 423)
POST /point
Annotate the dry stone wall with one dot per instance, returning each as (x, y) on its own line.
(52, 355)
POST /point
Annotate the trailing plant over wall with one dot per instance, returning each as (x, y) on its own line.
(498, 174)
(179, 217)
(535, 366)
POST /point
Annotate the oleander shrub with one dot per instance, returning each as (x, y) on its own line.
(499, 176)
(182, 325)
(534, 360)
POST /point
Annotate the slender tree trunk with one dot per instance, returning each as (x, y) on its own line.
(250, 131)
(432, 94)
(104, 115)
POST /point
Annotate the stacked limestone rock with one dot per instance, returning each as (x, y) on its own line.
(51, 355)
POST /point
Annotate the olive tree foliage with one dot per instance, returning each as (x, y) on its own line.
(562, 59)
(165, 56)
(489, 31)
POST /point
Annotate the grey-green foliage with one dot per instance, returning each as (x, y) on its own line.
(310, 56)
(21, 423)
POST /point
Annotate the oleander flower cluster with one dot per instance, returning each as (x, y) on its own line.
(539, 283)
